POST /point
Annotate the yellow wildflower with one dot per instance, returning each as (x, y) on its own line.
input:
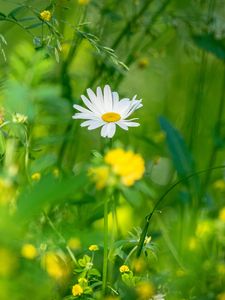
(126, 164)
(124, 269)
(54, 265)
(29, 251)
(222, 215)
(100, 176)
(221, 296)
(219, 185)
(74, 243)
(77, 290)
(36, 176)
(46, 15)
(145, 290)
(93, 248)
(83, 2)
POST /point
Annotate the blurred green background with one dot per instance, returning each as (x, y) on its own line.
(169, 53)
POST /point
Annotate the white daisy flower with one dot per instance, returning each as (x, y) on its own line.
(104, 109)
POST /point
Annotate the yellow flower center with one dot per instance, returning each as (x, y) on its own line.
(111, 117)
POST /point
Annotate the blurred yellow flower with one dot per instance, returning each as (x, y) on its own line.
(74, 243)
(192, 244)
(29, 251)
(36, 176)
(55, 172)
(8, 262)
(139, 264)
(143, 63)
(54, 265)
(126, 164)
(83, 2)
(100, 176)
(125, 220)
(219, 185)
(222, 215)
(46, 15)
(204, 229)
(93, 248)
(159, 137)
(145, 290)
(221, 296)
(221, 269)
(180, 273)
(77, 290)
(7, 191)
(124, 269)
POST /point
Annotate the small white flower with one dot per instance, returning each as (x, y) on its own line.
(106, 110)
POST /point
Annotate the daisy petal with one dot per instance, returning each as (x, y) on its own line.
(81, 109)
(95, 124)
(104, 130)
(100, 97)
(88, 116)
(134, 106)
(90, 105)
(87, 123)
(122, 125)
(131, 124)
(111, 130)
(122, 106)
(95, 100)
(108, 97)
(115, 98)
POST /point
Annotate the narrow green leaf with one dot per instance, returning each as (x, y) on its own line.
(2, 16)
(15, 11)
(179, 151)
(208, 43)
(35, 25)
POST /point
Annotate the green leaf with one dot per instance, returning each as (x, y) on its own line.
(15, 11)
(2, 16)
(2, 143)
(133, 196)
(179, 151)
(208, 43)
(35, 25)
(49, 190)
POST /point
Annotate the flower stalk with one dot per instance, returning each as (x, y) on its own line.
(105, 255)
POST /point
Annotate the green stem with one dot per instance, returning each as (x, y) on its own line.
(105, 257)
(51, 224)
(215, 149)
(149, 216)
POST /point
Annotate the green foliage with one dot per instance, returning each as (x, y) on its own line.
(52, 211)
